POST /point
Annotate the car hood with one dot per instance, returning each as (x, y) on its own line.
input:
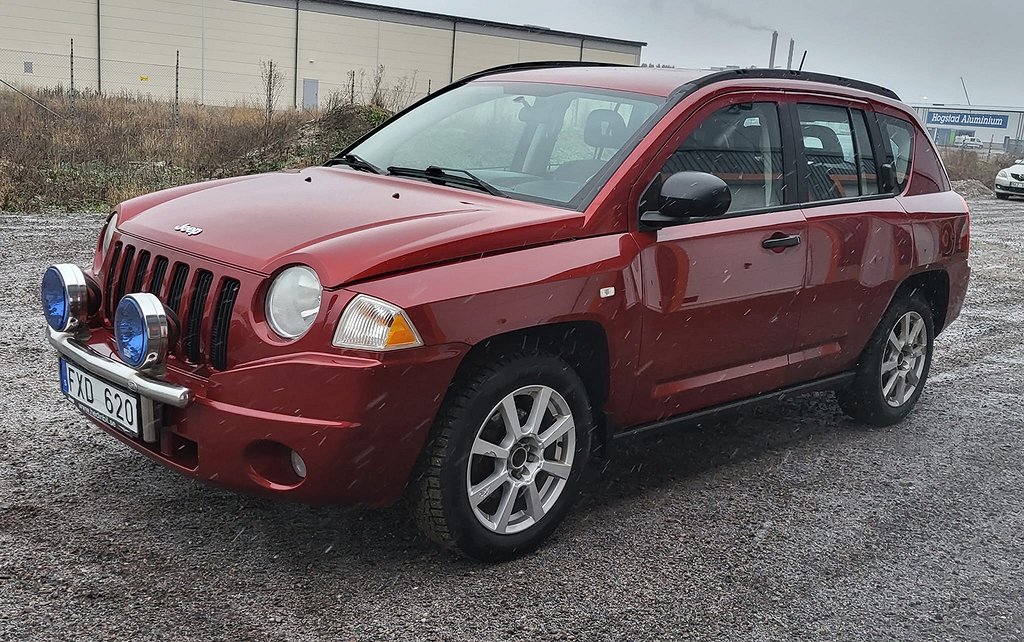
(346, 225)
(1016, 169)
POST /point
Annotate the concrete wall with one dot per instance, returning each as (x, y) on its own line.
(224, 44)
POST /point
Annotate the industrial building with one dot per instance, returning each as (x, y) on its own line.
(1000, 129)
(217, 51)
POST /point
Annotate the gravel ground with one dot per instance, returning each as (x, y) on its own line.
(789, 524)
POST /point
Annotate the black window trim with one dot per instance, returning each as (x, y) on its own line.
(788, 170)
(887, 150)
(874, 134)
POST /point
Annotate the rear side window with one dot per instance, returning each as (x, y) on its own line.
(742, 145)
(898, 139)
(837, 148)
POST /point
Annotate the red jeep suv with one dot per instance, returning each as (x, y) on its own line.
(501, 281)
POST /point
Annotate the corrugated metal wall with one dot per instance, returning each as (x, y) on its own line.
(223, 44)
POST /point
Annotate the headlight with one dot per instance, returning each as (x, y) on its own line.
(141, 330)
(372, 324)
(293, 301)
(64, 294)
(108, 234)
(1003, 173)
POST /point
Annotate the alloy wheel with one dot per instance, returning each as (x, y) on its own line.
(521, 459)
(903, 359)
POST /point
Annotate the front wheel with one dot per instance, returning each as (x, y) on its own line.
(506, 457)
(1002, 197)
(894, 367)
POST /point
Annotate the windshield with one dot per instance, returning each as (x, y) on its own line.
(531, 141)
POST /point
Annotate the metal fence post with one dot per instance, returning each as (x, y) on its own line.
(177, 76)
(72, 94)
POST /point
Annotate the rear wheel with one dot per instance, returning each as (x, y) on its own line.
(894, 367)
(505, 461)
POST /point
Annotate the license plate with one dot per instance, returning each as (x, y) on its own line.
(1017, 185)
(104, 401)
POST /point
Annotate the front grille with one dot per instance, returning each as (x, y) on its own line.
(192, 342)
(1018, 177)
(222, 322)
(205, 319)
(178, 279)
(159, 270)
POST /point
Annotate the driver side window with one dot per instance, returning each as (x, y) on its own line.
(740, 144)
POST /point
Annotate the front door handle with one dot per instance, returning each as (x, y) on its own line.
(779, 241)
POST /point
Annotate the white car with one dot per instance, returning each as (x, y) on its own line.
(1010, 181)
(968, 142)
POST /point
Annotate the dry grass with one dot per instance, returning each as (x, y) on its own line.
(111, 148)
(965, 165)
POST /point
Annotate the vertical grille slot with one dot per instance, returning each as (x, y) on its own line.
(159, 270)
(221, 324)
(178, 280)
(122, 279)
(140, 271)
(111, 270)
(192, 345)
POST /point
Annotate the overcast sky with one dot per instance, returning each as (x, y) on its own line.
(919, 48)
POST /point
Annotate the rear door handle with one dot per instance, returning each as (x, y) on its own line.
(777, 241)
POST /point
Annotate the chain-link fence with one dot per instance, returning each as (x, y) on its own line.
(266, 84)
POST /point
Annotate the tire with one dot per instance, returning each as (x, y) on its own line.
(1002, 197)
(534, 480)
(879, 398)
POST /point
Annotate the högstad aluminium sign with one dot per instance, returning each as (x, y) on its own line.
(964, 119)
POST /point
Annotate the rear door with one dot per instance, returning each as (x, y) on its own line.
(719, 313)
(859, 241)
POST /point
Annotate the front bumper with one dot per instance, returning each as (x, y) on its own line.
(1004, 186)
(359, 423)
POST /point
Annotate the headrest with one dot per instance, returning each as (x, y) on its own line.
(827, 136)
(604, 128)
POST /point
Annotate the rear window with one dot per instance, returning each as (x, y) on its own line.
(898, 139)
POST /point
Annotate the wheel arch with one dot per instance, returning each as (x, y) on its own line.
(583, 344)
(933, 285)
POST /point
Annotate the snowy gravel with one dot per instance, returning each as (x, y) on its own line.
(789, 524)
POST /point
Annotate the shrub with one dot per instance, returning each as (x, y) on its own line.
(111, 148)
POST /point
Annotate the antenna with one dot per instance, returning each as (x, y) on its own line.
(802, 59)
(789, 62)
(966, 95)
(775, 43)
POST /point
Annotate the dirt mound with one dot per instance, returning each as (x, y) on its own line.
(972, 189)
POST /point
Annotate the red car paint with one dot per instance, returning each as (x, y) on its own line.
(702, 314)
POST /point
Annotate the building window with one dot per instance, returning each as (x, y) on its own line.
(29, 67)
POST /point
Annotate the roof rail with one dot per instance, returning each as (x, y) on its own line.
(540, 64)
(781, 74)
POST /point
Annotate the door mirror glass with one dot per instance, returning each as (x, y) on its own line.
(689, 195)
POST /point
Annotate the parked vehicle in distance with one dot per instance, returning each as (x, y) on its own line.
(968, 142)
(1010, 181)
(499, 284)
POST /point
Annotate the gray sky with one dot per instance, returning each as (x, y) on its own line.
(919, 48)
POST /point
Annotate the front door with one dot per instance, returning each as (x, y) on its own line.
(310, 93)
(719, 317)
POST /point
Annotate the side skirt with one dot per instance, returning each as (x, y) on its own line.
(699, 417)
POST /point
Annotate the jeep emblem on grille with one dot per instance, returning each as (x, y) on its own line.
(191, 230)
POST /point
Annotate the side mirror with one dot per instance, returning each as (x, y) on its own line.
(687, 195)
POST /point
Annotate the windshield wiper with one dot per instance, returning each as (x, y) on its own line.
(355, 162)
(444, 176)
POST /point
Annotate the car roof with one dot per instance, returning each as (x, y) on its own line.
(661, 82)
